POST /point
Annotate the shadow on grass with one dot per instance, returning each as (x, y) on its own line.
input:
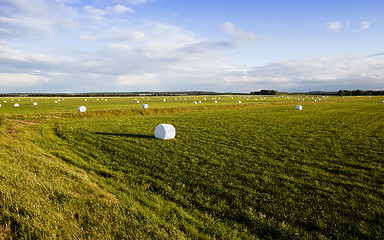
(125, 135)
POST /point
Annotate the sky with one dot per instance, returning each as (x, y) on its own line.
(73, 46)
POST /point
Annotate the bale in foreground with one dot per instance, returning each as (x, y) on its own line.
(165, 131)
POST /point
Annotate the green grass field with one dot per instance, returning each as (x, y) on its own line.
(255, 170)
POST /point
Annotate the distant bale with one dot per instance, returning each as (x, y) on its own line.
(16, 105)
(299, 107)
(238, 101)
(35, 103)
(82, 109)
(145, 105)
(165, 131)
(137, 101)
(215, 101)
(194, 102)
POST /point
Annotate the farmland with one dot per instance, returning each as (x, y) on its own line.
(258, 169)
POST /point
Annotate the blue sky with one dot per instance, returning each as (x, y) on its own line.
(183, 45)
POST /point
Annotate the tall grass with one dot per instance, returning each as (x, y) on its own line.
(251, 171)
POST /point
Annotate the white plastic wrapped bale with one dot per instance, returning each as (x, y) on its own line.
(16, 105)
(82, 109)
(215, 101)
(137, 101)
(35, 103)
(145, 105)
(238, 101)
(299, 107)
(165, 131)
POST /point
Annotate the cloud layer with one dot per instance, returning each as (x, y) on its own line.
(57, 46)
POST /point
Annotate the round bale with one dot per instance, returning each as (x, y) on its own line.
(145, 105)
(165, 131)
(16, 105)
(82, 109)
(299, 107)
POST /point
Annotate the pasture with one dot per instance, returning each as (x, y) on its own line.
(256, 170)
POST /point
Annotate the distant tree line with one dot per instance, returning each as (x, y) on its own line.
(359, 92)
(113, 94)
(265, 92)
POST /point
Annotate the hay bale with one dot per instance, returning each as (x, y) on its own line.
(165, 131)
(299, 107)
(35, 103)
(238, 101)
(137, 101)
(215, 101)
(16, 105)
(82, 109)
(145, 105)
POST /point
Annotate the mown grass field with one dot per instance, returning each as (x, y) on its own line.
(255, 170)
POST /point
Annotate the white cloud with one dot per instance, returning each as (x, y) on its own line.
(334, 26)
(95, 11)
(238, 34)
(145, 79)
(88, 37)
(120, 9)
(364, 25)
(20, 79)
(314, 74)
(35, 19)
(134, 2)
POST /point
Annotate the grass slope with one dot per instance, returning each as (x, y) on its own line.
(256, 171)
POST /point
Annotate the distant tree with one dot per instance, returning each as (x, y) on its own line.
(265, 92)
